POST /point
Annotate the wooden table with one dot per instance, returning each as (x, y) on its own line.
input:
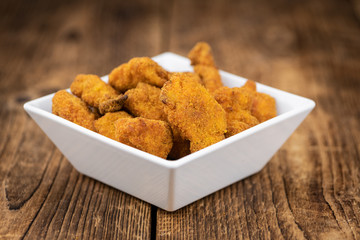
(309, 189)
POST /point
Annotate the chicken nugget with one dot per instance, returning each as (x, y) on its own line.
(237, 103)
(144, 101)
(234, 99)
(141, 69)
(152, 136)
(112, 105)
(105, 125)
(201, 54)
(235, 127)
(239, 121)
(243, 116)
(72, 108)
(250, 85)
(96, 93)
(192, 109)
(209, 76)
(263, 106)
(204, 65)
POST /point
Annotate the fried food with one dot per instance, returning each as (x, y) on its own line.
(242, 120)
(112, 105)
(152, 136)
(201, 54)
(204, 65)
(263, 106)
(250, 85)
(96, 93)
(234, 99)
(106, 124)
(237, 103)
(143, 101)
(235, 127)
(192, 109)
(190, 112)
(210, 77)
(142, 69)
(72, 108)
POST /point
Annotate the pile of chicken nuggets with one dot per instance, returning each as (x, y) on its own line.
(167, 114)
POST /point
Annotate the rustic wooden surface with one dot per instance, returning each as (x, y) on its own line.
(309, 190)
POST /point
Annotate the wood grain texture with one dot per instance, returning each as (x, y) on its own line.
(311, 187)
(309, 190)
(43, 46)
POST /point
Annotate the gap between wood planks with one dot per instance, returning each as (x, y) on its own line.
(153, 215)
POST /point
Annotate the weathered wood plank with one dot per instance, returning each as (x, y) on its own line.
(43, 46)
(311, 187)
(309, 190)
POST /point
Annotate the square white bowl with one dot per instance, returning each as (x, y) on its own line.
(171, 185)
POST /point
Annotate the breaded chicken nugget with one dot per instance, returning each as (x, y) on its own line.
(105, 125)
(204, 65)
(234, 99)
(210, 77)
(192, 109)
(237, 103)
(250, 85)
(234, 127)
(144, 101)
(141, 69)
(152, 136)
(96, 93)
(72, 108)
(264, 106)
(201, 54)
(112, 105)
(243, 116)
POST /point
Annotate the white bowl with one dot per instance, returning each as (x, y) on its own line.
(171, 185)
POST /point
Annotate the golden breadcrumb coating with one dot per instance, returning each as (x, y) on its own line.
(72, 108)
(121, 78)
(105, 125)
(192, 109)
(237, 103)
(234, 127)
(144, 101)
(201, 54)
(233, 99)
(204, 65)
(243, 116)
(141, 69)
(96, 93)
(264, 107)
(152, 136)
(210, 77)
(112, 105)
(250, 85)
